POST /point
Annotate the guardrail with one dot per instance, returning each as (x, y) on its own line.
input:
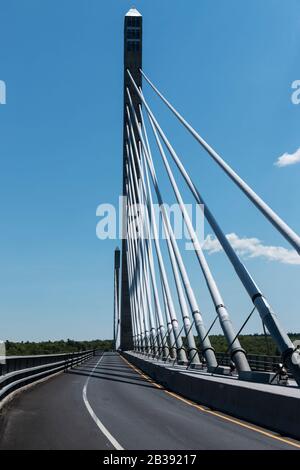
(257, 362)
(22, 370)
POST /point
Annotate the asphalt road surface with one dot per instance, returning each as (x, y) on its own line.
(106, 404)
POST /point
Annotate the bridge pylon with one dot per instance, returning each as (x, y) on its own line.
(132, 62)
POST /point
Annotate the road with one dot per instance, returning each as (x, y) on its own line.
(107, 404)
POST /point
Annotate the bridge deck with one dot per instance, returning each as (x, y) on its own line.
(104, 404)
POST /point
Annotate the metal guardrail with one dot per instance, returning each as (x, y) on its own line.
(22, 370)
(257, 362)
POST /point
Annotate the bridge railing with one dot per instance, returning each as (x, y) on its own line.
(19, 371)
(257, 362)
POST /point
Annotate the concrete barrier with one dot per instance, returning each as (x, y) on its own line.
(274, 407)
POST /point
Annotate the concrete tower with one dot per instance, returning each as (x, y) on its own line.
(133, 62)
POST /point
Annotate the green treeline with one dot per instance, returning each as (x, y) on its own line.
(27, 348)
(253, 344)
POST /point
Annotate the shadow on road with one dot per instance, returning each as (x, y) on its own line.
(111, 371)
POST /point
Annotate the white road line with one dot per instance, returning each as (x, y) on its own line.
(101, 426)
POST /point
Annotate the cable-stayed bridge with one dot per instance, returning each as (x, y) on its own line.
(164, 387)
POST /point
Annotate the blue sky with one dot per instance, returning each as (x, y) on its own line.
(227, 66)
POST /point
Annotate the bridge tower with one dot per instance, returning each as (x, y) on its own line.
(132, 62)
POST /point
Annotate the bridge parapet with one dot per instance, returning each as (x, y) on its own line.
(19, 371)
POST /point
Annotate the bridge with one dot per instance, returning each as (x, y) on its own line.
(163, 386)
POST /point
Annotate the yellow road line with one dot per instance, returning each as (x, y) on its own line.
(214, 413)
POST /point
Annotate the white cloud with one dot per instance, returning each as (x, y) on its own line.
(253, 248)
(211, 244)
(288, 159)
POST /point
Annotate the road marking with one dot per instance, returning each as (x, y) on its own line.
(101, 426)
(215, 413)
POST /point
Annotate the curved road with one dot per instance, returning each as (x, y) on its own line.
(107, 404)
